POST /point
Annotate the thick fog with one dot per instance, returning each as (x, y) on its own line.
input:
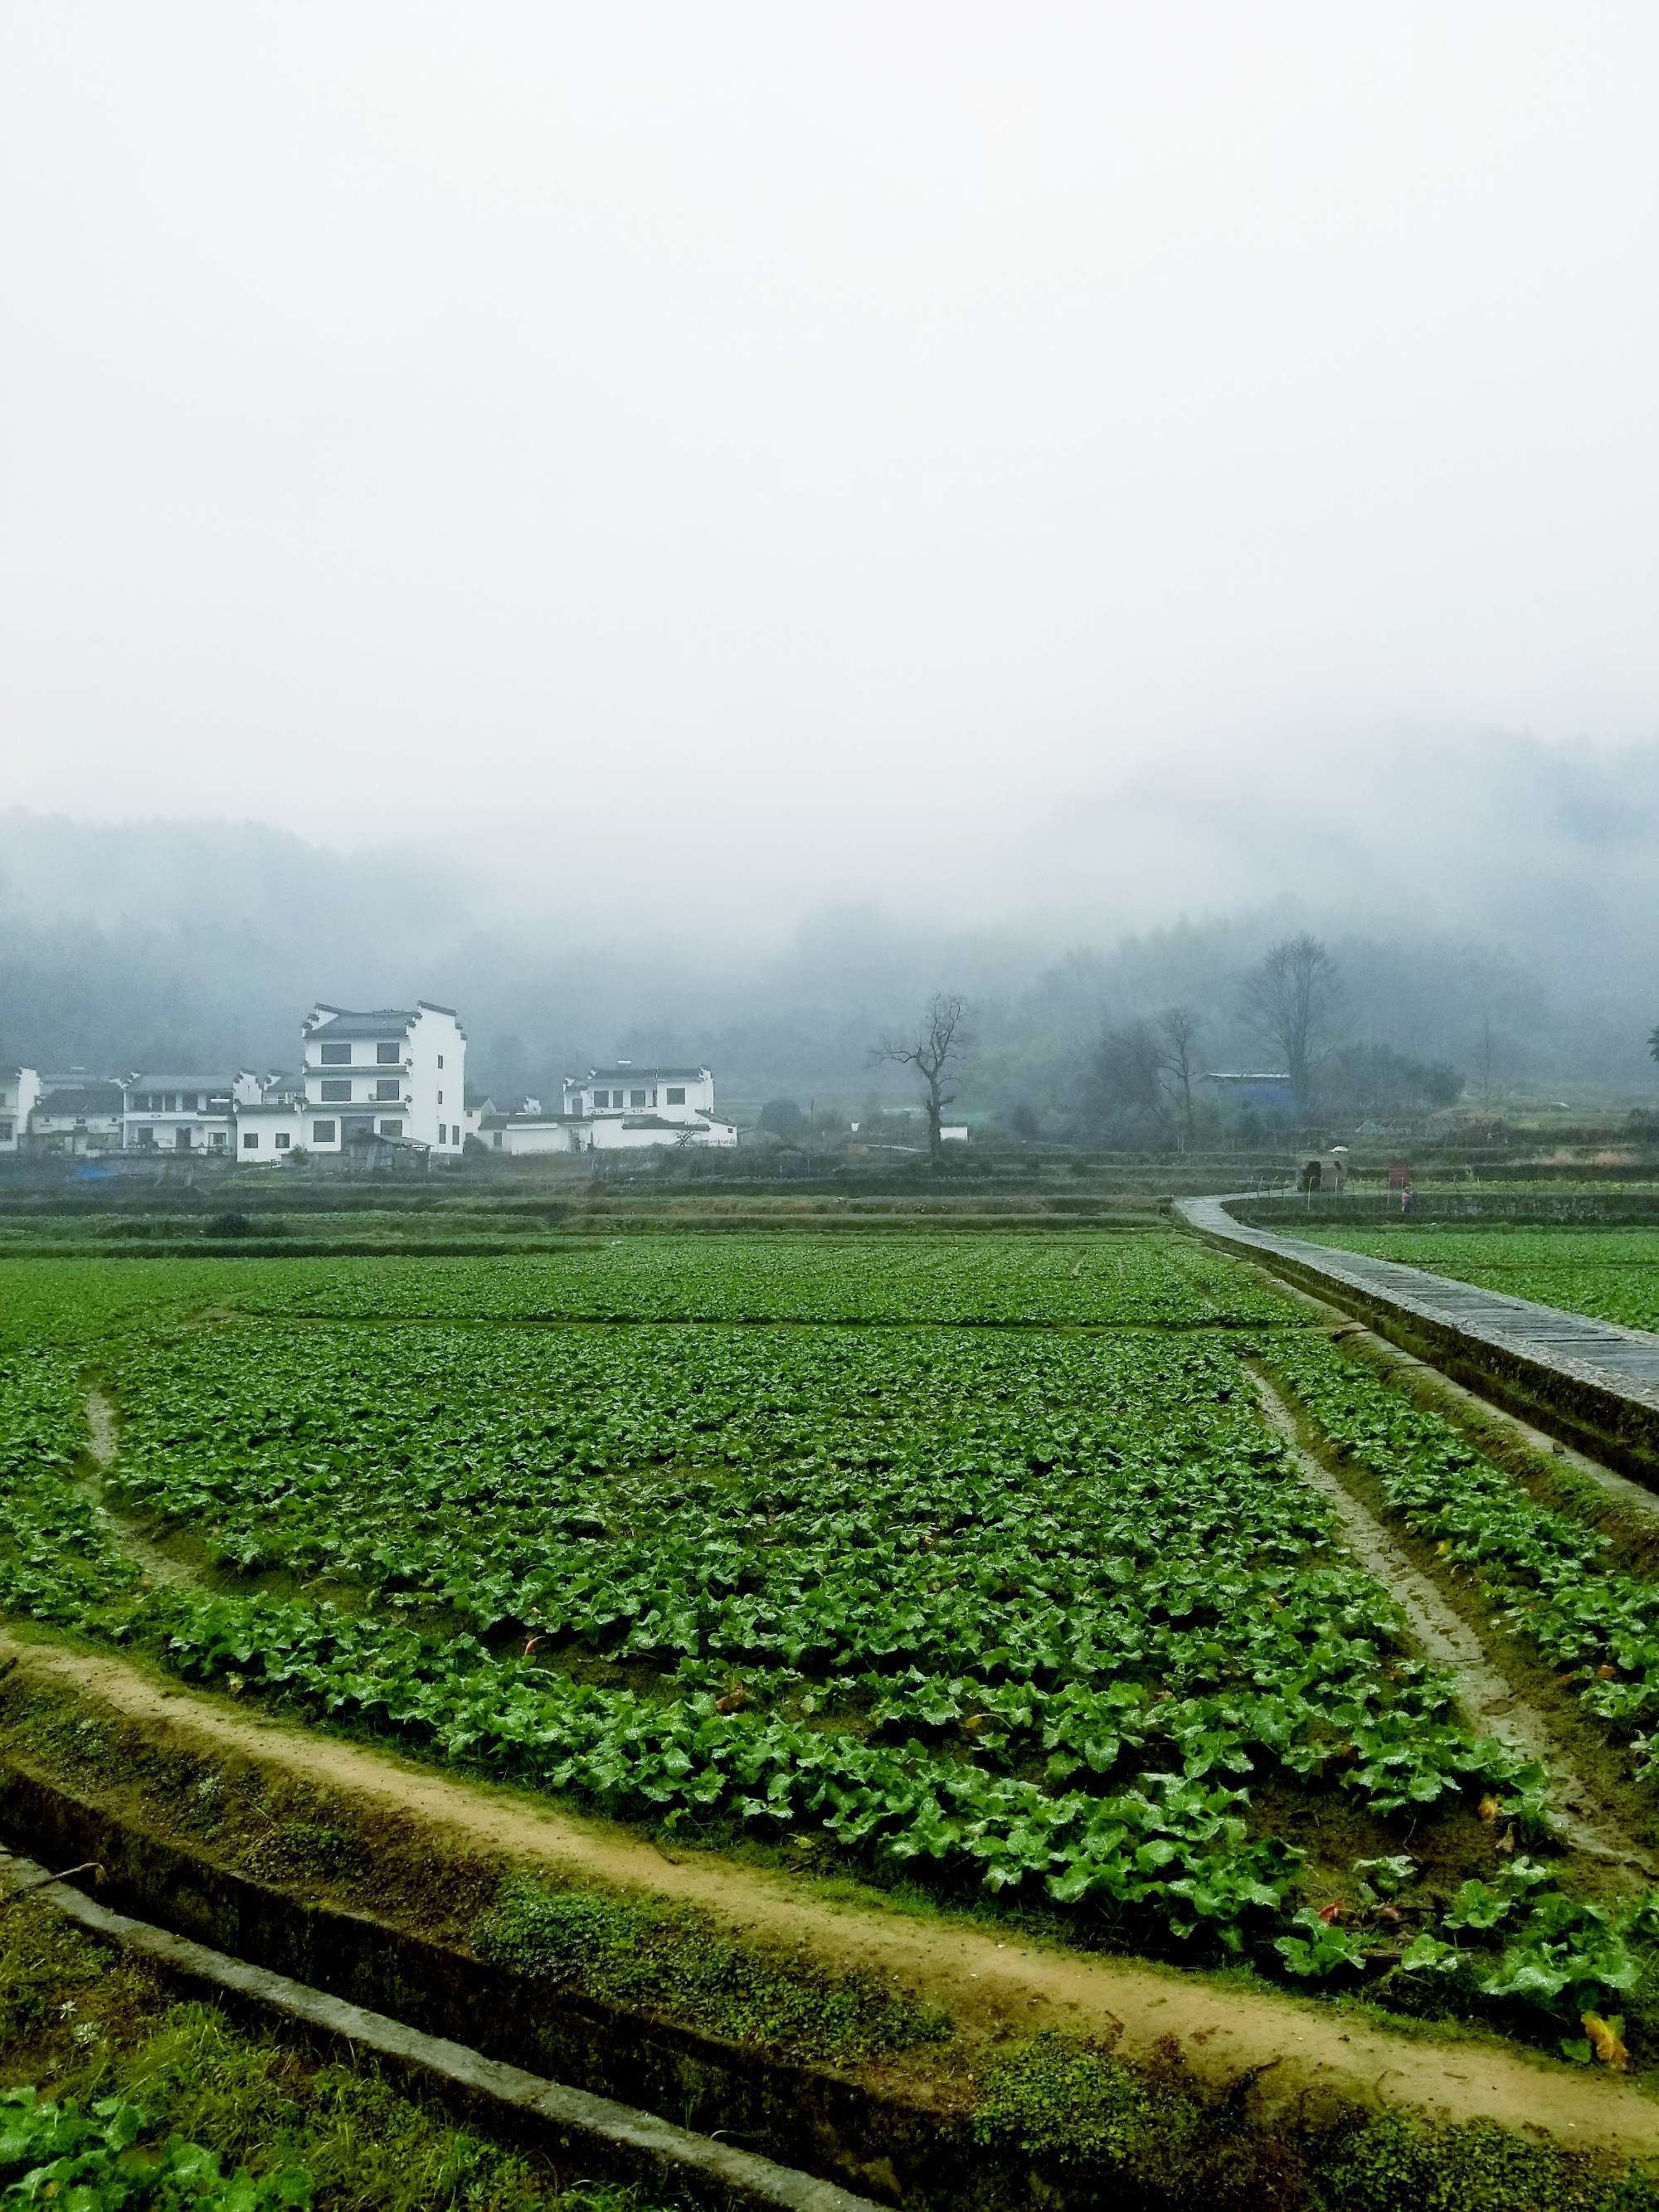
(698, 517)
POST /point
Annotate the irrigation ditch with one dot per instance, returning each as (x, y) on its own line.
(1591, 1384)
(204, 1822)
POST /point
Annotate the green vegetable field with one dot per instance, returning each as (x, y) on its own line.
(1613, 1273)
(971, 1564)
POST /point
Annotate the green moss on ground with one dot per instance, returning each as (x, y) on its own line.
(1079, 2116)
(673, 1959)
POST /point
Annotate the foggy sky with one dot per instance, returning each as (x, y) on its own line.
(914, 448)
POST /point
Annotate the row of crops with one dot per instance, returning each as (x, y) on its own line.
(1612, 1273)
(1042, 1616)
(1114, 1281)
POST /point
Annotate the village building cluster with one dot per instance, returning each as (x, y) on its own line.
(372, 1085)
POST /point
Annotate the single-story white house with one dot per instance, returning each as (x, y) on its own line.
(621, 1107)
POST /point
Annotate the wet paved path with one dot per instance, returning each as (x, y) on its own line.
(1561, 1357)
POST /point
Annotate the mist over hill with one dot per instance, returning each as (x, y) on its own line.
(1490, 903)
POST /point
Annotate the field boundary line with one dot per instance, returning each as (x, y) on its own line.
(641, 2143)
(990, 1975)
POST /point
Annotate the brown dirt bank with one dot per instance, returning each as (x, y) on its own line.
(993, 1986)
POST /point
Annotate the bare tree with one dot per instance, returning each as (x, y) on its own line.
(936, 1049)
(1290, 1000)
(1177, 1060)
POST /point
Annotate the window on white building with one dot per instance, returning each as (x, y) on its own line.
(322, 1132)
(677, 1094)
(250, 1140)
(496, 1140)
(385, 1086)
(217, 1139)
(440, 1059)
(336, 1093)
(636, 1097)
(337, 1055)
(282, 1141)
(392, 1127)
(388, 1055)
(5, 1132)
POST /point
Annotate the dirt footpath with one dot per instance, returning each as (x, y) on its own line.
(991, 1985)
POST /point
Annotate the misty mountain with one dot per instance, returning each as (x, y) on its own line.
(1486, 908)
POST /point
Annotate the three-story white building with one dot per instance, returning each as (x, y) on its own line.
(391, 1072)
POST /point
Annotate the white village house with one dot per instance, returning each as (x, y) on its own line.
(371, 1082)
(181, 1113)
(616, 1108)
(74, 1118)
(398, 1073)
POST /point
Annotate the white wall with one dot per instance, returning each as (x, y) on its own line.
(20, 1091)
(437, 1082)
(539, 1136)
(277, 1131)
(608, 1133)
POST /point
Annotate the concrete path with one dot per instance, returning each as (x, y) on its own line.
(1597, 1378)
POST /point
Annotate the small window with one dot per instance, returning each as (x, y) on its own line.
(636, 1097)
(250, 1140)
(601, 1097)
(336, 1093)
(496, 1140)
(337, 1055)
(5, 1132)
(322, 1132)
(385, 1086)
(170, 1100)
(217, 1139)
(391, 1127)
(387, 1055)
(441, 1098)
(677, 1094)
(443, 1134)
(282, 1141)
(440, 1059)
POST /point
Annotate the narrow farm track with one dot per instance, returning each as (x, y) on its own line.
(992, 1984)
(103, 1448)
(1489, 1698)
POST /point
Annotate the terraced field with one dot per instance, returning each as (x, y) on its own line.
(1612, 1273)
(1044, 1617)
